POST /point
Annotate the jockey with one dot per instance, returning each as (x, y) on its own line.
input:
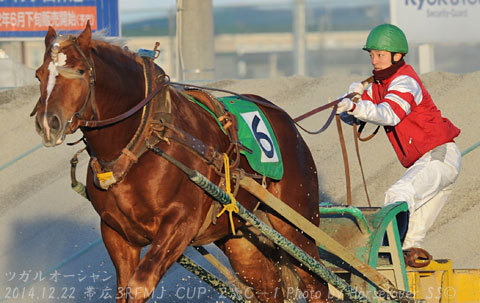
(420, 136)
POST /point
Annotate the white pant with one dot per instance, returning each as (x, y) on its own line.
(425, 186)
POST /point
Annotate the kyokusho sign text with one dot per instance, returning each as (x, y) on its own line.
(428, 21)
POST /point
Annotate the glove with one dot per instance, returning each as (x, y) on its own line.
(356, 87)
(344, 105)
(349, 119)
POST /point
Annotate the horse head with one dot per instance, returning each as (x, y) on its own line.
(66, 78)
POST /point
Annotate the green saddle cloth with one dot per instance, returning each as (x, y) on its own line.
(255, 133)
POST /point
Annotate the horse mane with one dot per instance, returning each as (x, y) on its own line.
(102, 47)
(99, 35)
(101, 42)
(114, 46)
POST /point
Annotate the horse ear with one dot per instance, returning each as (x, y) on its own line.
(84, 40)
(51, 35)
(35, 109)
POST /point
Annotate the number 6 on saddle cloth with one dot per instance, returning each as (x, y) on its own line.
(256, 134)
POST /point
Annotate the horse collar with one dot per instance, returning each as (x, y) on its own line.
(150, 130)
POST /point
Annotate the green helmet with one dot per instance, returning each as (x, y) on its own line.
(387, 37)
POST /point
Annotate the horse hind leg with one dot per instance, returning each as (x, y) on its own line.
(298, 284)
(311, 287)
(248, 259)
(289, 278)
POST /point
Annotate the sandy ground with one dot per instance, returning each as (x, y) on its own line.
(43, 223)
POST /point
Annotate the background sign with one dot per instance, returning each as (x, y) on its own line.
(430, 21)
(31, 18)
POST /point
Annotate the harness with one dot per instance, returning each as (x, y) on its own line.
(151, 128)
(156, 125)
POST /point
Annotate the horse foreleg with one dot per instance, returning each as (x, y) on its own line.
(172, 238)
(125, 258)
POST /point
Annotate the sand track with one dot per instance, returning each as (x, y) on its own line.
(35, 190)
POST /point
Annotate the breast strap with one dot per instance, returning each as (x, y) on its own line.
(154, 114)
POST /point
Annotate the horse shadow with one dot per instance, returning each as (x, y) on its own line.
(52, 260)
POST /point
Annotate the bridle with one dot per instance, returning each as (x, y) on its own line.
(91, 90)
(91, 96)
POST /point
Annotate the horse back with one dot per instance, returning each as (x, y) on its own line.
(299, 185)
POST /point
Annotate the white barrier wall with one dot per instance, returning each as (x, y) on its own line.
(13, 74)
(436, 21)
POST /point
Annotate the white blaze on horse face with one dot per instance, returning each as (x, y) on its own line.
(57, 60)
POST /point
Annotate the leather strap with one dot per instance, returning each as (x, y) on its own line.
(345, 159)
(356, 137)
(360, 129)
(99, 123)
(207, 221)
(242, 96)
(321, 108)
(208, 153)
(150, 129)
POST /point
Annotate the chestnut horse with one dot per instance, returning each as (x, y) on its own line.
(155, 203)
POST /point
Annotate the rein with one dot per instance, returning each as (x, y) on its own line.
(319, 109)
(297, 119)
(99, 123)
(266, 104)
(356, 134)
(270, 105)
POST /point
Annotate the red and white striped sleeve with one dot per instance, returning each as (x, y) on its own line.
(403, 93)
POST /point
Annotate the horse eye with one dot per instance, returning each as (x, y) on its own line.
(81, 71)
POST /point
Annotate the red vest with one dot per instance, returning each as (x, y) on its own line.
(420, 130)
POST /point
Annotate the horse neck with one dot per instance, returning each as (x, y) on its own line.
(119, 86)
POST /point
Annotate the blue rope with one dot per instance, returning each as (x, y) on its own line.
(21, 156)
(65, 261)
(74, 256)
(470, 148)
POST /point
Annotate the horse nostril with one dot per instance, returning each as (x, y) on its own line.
(54, 123)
